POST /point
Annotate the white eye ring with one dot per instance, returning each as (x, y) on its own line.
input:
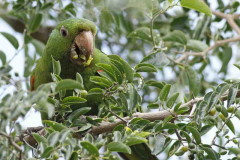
(64, 31)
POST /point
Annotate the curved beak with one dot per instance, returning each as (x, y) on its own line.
(82, 48)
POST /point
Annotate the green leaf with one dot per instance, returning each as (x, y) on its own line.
(118, 147)
(159, 143)
(35, 23)
(223, 110)
(77, 113)
(237, 65)
(92, 149)
(47, 152)
(117, 64)
(53, 138)
(225, 57)
(237, 114)
(3, 57)
(39, 138)
(197, 5)
(232, 94)
(63, 135)
(157, 59)
(118, 74)
(235, 151)
(181, 110)
(11, 39)
(172, 100)
(133, 98)
(135, 140)
(155, 84)
(117, 136)
(211, 153)
(212, 101)
(169, 125)
(153, 106)
(230, 125)
(124, 101)
(205, 129)
(70, 9)
(47, 5)
(142, 67)
(186, 135)
(45, 107)
(56, 126)
(95, 91)
(56, 67)
(196, 45)
(74, 156)
(141, 33)
(101, 81)
(85, 127)
(73, 100)
(128, 71)
(176, 36)
(108, 69)
(196, 135)
(175, 146)
(68, 84)
(176, 107)
(201, 26)
(79, 79)
(164, 92)
(194, 81)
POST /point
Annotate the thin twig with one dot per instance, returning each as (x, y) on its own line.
(11, 141)
(118, 117)
(217, 133)
(230, 19)
(219, 146)
(204, 53)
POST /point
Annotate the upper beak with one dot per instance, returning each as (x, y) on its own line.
(84, 42)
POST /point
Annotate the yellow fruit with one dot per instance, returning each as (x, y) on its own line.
(184, 148)
(213, 112)
(231, 109)
(222, 117)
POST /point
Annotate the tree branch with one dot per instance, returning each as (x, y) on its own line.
(204, 53)
(105, 127)
(230, 19)
(151, 116)
(12, 142)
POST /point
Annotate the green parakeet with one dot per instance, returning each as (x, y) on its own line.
(72, 43)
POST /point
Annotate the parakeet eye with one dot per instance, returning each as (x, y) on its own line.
(63, 31)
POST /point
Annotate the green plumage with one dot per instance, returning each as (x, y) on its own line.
(60, 47)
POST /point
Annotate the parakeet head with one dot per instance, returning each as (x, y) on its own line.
(74, 39)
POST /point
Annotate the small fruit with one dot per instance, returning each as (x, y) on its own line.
(231, 109)
(213, 111)
(83, 93)
(191, 145)
(219, 108)
(55, 156)
(222, 116)
(235, 141)
(184, 148)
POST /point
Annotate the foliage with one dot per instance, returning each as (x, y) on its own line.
(167, 48)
